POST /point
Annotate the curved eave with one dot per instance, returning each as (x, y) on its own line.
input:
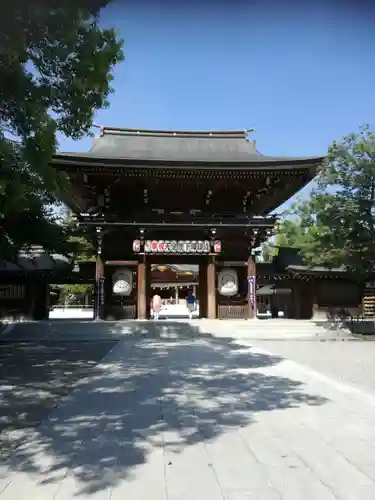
(317, 270)
(67, 161)
(175, 269)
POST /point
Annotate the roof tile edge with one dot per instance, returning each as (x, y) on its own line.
(233, 134)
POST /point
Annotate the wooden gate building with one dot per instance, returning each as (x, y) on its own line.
(179, 197)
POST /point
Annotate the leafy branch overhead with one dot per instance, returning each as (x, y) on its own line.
(57, 65)
(81, 248)
(78, 240)
(335, 227)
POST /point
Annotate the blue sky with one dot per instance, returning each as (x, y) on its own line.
(301, 73)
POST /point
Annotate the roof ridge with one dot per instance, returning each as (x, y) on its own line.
(237, 134)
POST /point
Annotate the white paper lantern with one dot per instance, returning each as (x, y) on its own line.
(122, 282)
(227, 282)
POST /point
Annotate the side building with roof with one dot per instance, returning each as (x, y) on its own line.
(24, 283)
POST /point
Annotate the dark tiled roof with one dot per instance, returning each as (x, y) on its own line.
(178, 146)
(34, 260)
(316, 270)
(287, 256)
(268, 269)
(290, 259)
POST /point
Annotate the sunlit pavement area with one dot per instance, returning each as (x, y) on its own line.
(184, 410)
(167, 311)
(176, 311)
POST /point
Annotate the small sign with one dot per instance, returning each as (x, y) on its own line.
(101, 291)
(252, 290)
(177, 246)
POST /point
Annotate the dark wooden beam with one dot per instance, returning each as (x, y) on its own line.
(177, 224)
(121, 263)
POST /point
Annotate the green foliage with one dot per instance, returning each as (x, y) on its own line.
(56, 65)
(81, 243)
(336, 225)
(290, 234)
(82, 249)
(268, 252)
(76, 292)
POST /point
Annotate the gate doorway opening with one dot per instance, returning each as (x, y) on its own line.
(173, 283)
(71, 301)
(274, 302)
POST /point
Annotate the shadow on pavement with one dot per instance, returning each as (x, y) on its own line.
(165, 384)
(40, 363)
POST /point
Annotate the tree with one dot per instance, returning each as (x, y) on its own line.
(296, 232)
(268, 252)
(335, 227)
(80, 241)
(56, 71)
(82, 249)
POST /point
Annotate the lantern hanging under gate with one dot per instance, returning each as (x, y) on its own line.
(122, 282)
(227, 282)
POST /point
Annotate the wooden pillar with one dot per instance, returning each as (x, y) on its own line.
(251, 283)
(315, 314)
(202, 289)
(297, 300)
(149, 291)
(108, 296)
(211, 288)
(313, 285)
(305, 300)
(40, 309)
(142, 290)
(99, 303)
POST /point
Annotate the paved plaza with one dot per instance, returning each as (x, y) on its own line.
(180, 410)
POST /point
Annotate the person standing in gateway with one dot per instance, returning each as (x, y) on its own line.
(190, 303)
(156, 305)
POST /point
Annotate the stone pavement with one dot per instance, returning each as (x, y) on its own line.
(279, 329)
(38, 365)
(348, 362)
(181, 411)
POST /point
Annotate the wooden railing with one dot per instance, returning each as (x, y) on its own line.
(235, 311)
(128, 311)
